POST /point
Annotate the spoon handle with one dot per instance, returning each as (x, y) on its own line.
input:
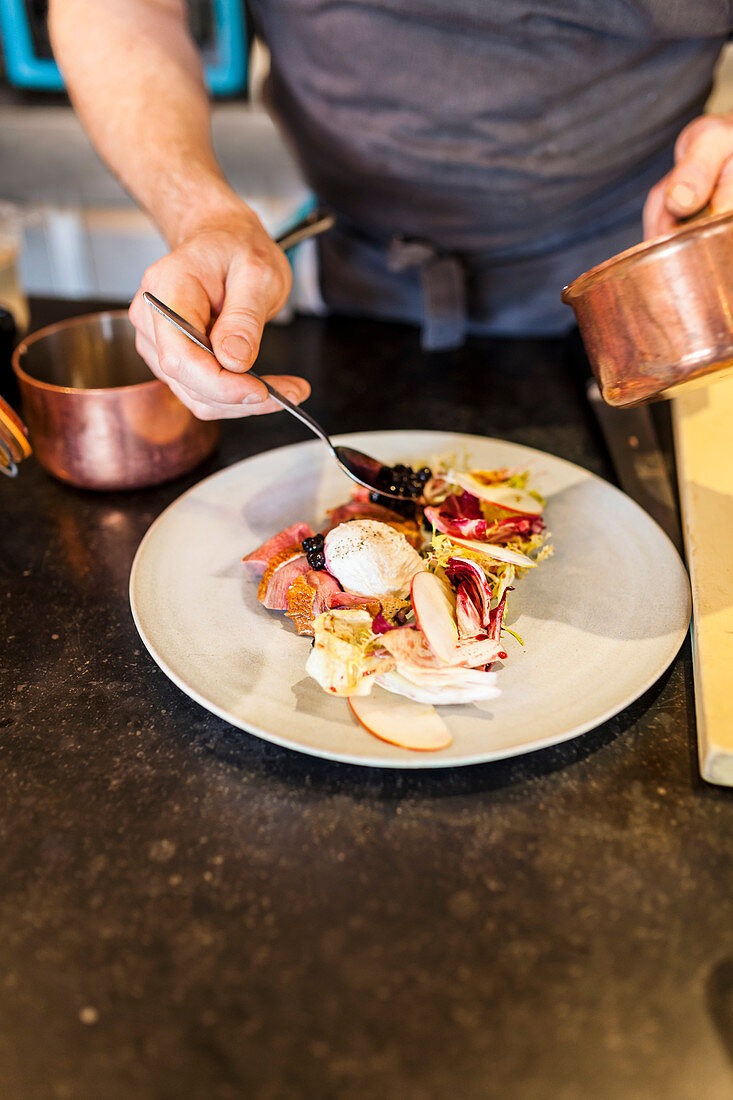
(312, 225)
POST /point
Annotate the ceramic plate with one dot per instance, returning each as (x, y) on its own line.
(601, 620)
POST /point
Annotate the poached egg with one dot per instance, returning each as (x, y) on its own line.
(371, 559)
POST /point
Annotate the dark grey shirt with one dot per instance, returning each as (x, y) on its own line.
(519, 135)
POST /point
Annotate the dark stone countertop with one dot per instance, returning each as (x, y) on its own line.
(187, 911)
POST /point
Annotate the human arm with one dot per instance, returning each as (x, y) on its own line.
(702, 176)
(135, 79)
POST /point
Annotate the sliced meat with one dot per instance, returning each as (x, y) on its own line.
(309, 596)
(327, 588)
(300, 604)
(277, 560)
(275, 595)
(256, 562)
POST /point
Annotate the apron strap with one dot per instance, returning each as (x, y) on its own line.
(443, 281)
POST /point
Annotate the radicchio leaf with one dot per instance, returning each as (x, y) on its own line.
(514, 527)
(495, 617)
(468, 617)
(459, 515)
(380, 625)
(473, 597)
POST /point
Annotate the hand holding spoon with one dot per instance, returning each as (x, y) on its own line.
(360, 467)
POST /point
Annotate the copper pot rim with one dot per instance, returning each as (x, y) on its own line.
(655, 248)
(104, 392)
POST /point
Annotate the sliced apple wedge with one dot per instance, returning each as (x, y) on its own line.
(401, 722)
(514, 500)
(498, 553)
(434, 604)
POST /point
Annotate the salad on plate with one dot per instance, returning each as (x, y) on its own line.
(405, 600)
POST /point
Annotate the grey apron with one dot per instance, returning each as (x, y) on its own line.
(480, 154)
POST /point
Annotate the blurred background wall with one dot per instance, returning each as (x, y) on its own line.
(82, 236)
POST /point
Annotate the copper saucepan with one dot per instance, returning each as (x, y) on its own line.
(97, 417)
(95, 414)
(659, 316)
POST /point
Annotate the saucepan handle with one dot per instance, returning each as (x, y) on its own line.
(14, 445)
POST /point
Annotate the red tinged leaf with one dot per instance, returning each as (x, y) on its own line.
(473, 597)
(521, 527)
(380, 625)
(458, 515)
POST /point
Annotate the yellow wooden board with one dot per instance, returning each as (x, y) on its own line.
(703, 424)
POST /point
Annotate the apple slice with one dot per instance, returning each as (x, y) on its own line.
(498, 553)
(503, 496)
(401, 722)
(434, 604)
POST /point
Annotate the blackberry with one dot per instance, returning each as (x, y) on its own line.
(384, 477)
(313, 547)
(315, 542)
(403, 481)
(404, 508)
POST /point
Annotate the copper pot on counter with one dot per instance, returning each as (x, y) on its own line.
(659, 316)
(95, 414)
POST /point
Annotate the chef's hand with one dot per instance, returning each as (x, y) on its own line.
(703, 173)
(229, 271)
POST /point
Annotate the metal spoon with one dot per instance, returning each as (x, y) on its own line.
(312, 225)
(355, 464)
(360, 467)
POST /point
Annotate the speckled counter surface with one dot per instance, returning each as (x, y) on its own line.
(187, 911)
